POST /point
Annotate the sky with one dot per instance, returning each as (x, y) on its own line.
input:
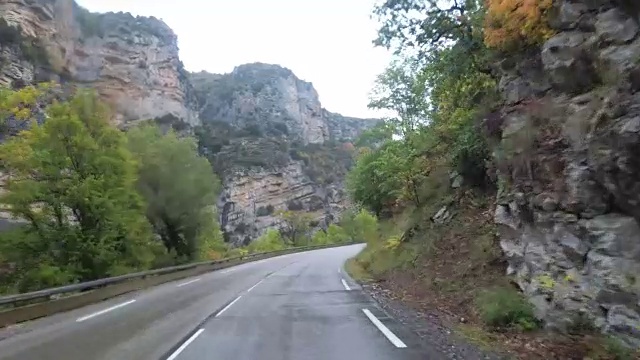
(326, 42)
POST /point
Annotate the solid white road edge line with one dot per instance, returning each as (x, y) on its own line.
(184, 346)
(258, 283)
(104, 311)
(391, 336)
(346, 286)
(188, 282)
(228, 306)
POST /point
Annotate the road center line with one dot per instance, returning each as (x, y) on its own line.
(104, 311)
(258, 283)
(390, 335)
(188, 282)
(346, 286)
(228, 306)
(184, 346)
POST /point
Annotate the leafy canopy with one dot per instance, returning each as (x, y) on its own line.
(180, 189)
(73, 181)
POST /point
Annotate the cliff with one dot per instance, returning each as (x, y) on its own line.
(265, 130)
(132, 62)
(274, 146)
(568, 147)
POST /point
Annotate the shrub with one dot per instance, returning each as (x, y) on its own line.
(265, 210)
(270, 241)
(295, 205)
(336, 234)
(361, 226)
(506, 307)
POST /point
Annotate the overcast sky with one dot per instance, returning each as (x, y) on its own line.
(326, 42)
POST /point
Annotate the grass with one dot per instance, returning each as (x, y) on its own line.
(504, 307)
(356, 271)
(478, 336)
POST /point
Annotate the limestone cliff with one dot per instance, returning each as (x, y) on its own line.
(274, 146)
(569, 166)
(264, 129)
(132, 62)
(268, 98)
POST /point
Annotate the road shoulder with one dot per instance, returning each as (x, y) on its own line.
(431, 327)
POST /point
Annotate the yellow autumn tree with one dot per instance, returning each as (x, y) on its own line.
(515, 23)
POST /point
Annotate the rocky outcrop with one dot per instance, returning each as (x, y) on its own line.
(132, 62)
(569, 164)
(275, 147)
(269, 98)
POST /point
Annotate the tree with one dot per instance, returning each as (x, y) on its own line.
(515, 23)
(73, 180)
(360, 226)
(180, 189)
(295, 226)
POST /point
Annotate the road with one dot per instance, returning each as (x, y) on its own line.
(293, 307)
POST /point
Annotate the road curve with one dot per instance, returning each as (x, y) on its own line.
(297, 306)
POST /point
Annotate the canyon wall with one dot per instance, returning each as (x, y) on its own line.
(569, 201)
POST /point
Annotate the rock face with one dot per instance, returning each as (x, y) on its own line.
(275, 147)
(264, 129)
(132, 62)
(268, 98)
(569, 204)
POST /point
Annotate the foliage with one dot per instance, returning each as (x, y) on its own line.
(360, 226)
(265, 210)
(324, 164)
(295, 227)
(514, 23)
(333, 235)
(180, 189)
(506, 307)
(73, 180)
(270, 241)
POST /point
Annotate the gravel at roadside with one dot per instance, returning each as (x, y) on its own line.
(429, 326)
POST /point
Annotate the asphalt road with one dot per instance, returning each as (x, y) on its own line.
(293, 307)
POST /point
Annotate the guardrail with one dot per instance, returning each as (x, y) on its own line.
(36, 304)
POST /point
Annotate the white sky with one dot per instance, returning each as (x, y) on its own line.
(326, 42)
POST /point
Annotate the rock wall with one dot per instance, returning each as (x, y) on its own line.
(132, 62)
(569, 169)
(269, 97)
(275, 146)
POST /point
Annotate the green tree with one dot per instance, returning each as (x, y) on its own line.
(73, 180)
(360, 226)
(295, 226)
(180, 189)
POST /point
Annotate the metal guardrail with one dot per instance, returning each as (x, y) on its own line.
(46, 294)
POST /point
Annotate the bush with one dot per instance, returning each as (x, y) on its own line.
(361, 226)
(270, 241)
(506, 307)
(295, 205)
(265, 210)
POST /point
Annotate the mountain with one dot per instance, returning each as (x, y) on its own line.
(275, 146)
(264, 130)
